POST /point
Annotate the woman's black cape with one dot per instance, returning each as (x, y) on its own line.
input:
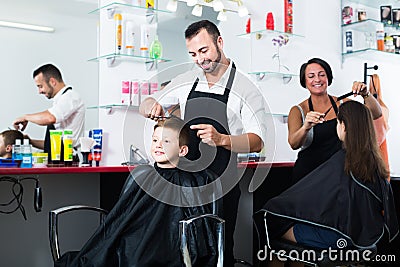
(327, 197)
(141, 231)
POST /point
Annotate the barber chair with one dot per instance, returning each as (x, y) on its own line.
(184, 226)
(53, 224)
(286, 250)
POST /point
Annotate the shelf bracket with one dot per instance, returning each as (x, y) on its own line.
(151, 65)
(110, 12)
(260, 76)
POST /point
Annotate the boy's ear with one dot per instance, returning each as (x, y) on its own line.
(9, 148)
(183, 150)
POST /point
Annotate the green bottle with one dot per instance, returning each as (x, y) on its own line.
(156, 48)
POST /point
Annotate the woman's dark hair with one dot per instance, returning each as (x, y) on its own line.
(178, 125)
(194, 28)
(320, 62)
(363, 158)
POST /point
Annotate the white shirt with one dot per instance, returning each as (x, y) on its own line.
(246, 107)
(69, 111)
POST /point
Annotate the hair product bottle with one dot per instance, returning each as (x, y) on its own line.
(129, 38)
(380, 36)
(118, 32)
(144, 40)
(288, 16)
(156, 48)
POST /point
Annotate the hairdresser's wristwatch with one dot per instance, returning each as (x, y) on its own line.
(366, 96)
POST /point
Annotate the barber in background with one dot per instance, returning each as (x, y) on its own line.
(67, 112)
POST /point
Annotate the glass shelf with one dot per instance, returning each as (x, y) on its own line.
(370, 51)
(113, 58)
(123, 7)
(269, 32)
(261, 75)
(114, 106)
(368, 25)
(374, 3)
(130, 57)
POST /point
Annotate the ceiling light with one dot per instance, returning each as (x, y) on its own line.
(26, 26)
(218, 5)
(191, 3)
(197, 11)
(222, 16)
(172, 5)
(242, 10)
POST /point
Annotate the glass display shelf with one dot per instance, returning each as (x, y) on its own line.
(115, 106)
(371, 51)
(113, 56)
(374, 3)
(368, 25)
(132, 9)
(268, 32)
(261, 75)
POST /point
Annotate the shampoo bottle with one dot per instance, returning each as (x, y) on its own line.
(129, 38)
(144, 41)
(156, 48)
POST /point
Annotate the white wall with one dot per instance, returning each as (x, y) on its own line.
(322, 38)
(69, 48)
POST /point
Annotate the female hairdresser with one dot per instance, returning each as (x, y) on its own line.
(312, 123)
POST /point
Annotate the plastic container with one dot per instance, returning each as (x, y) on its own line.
(118, 33)
(68, 146)
(129, 38)
(26, 151)
(380, 36)
(39, 160)
(156, 48)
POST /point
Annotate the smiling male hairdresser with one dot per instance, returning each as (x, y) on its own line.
(225, 111)
(67, 112)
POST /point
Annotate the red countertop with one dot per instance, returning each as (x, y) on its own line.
(62, 170)
(105, 169)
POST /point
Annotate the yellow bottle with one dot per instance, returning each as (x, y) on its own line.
(149, 3)
(118, 24)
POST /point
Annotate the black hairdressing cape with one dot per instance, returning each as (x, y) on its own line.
(327, 197)
(141, 231)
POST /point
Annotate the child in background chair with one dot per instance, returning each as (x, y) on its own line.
(7, 139)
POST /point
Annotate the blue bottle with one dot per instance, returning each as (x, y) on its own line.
(26, 151)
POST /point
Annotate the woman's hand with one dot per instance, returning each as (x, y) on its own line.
(313, 118)
(360, 88)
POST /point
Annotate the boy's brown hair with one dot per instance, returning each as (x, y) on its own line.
(178, 125)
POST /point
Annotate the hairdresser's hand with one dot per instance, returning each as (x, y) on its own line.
(313, 118)
(359, 88)
(20, 124)
(208, 134)
(156, 112)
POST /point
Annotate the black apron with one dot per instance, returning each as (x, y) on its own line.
(47, 146)
(208, 108)
(325, 143)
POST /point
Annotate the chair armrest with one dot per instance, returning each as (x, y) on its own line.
(53, 224)
(183, 233)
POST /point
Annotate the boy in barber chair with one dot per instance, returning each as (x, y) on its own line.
(143, 227)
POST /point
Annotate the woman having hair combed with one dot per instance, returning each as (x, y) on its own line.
(347, 197)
